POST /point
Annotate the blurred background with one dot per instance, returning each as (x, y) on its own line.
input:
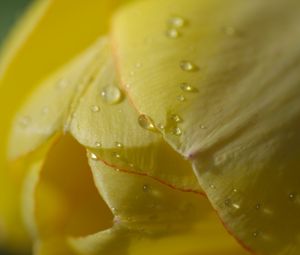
(10, 11)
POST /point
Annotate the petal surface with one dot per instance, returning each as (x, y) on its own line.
(153, 218)
(230, 70)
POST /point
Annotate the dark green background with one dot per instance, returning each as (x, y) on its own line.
(10, 10)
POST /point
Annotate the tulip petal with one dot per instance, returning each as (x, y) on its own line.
(230, 70)
(49, 35)
(107, 123)
(48, 110)
(153, 218)
(57, 205)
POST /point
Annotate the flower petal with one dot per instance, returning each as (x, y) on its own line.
(46, 38)
(49, 108)
(230, 70)
(107, 123)
(57, 205)
(153, 218)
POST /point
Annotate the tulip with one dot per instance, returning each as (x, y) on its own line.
(169, 127)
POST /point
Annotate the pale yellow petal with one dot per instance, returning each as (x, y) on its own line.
(230, 70)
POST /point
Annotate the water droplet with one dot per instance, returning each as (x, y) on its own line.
(292, 196)
(177, 131)
(95, 108)
(255, 234)
(176, 118)
(203, 127)
(114, 210)
(146, 122)
(93, 156)
(138, 65)
(181, 98)
(235, 190)
(111, 94)
(212, 186)
(187, 87)
(145, 188)
(258, 206)
(116, 155)
(188, 66)
(172, 33)
(161, 126)
(119, 145)
(236, 206)
(25, 121)
(98, 145)
(177, 21)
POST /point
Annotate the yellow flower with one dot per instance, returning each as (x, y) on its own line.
(176, 102)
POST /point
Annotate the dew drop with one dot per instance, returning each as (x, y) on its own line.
(235, 190)
(187, 87)
(292, 196)
(93, 156)
(177, 131)
(177, 21)
(176, 118)
(145, 188)
(114, 210)
(111, 94)
(212, 186)
(116, 155)
(119, 145)
(146, 122)
(255, 234)
(203, 127)
(95, 108)
(236, 206)
(98, 145)
(181, 98)
(161, 126)
(188, 66)
(258, 206)
(172, 33)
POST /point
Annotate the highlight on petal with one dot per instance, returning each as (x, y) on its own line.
(230, 71)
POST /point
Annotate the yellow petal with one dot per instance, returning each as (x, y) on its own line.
(62, 199)
(153, 218)
(48, 110)
(107, 123)
(47, 37)
(236, 63)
